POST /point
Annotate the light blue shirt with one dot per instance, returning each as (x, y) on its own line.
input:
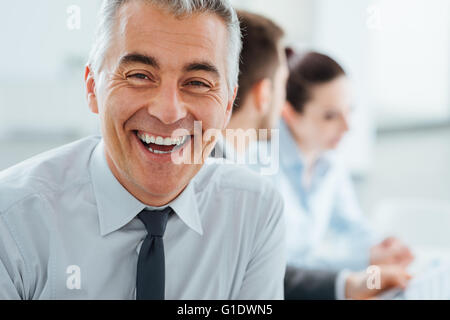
(225, 152)
(68, 230)
(325, 226)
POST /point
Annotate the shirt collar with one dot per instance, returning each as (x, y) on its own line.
(186, 207)
(223, 149)
(117, 207)
(290, 153)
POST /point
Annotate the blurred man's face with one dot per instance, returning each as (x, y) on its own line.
(272, 118)
(160, 74)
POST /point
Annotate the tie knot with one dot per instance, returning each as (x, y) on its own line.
(155, 221)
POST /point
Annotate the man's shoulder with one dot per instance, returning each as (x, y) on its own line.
(236, 178)
(244, 196)
(48, 172)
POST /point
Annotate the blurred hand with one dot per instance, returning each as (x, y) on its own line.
(392, 276)
(391, 251)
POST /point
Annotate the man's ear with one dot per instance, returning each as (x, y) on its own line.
(262, 95)
(90, 89)
(229, 110)
(287, 112)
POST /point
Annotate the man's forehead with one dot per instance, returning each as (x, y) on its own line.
(147, 28)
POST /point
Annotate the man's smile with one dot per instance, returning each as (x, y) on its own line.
(162, 145)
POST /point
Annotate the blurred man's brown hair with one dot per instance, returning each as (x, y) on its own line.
(260, 52)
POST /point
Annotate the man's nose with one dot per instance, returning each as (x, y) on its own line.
(167, 105)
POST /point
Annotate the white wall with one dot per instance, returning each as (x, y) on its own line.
(42, 60)
(410, 62)
(295, 16)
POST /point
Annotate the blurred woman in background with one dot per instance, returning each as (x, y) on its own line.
(326, 228)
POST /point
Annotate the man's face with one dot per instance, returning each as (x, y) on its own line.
(160, 74)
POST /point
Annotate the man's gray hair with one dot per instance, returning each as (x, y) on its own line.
(222, 8)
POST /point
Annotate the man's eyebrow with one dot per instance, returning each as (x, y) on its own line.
(139, 58)
(202, 66)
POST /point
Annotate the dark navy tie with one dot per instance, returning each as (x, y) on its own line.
(150, 280)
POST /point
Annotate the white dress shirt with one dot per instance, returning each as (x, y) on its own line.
(325, 226)
(68, 230)
(226, 153)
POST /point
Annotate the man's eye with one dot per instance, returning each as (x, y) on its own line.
(197, 84)
(139, 76)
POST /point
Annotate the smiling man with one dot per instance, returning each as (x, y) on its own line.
(118, 216)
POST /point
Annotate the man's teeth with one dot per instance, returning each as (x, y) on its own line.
(161, 141)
